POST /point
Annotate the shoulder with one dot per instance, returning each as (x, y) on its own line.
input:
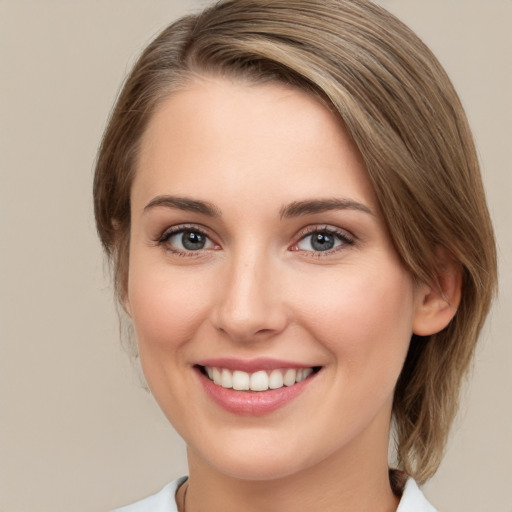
(162, 501)
(413, 500)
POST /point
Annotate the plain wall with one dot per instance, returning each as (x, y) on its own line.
(77, 431)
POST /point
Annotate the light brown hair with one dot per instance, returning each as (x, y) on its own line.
(407, 121)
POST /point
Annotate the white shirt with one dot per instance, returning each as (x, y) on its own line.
(412, 500)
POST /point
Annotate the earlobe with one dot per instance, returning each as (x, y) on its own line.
(437, 302)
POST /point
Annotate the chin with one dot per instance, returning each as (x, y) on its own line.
(260, 468)
(258, 456)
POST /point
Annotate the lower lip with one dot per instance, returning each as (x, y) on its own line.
(253, 403)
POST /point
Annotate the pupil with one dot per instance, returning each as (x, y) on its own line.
(193, 241)
(322, 242)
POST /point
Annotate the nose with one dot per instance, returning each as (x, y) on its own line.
(249, 306)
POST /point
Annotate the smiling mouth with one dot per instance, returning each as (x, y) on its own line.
(261, 380)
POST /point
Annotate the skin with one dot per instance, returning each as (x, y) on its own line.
(258, 289)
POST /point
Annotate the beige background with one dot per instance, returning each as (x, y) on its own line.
(77, 432)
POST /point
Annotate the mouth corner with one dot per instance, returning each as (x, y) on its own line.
(200, 368)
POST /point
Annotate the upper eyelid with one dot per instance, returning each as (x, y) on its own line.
(172, 230)
(315, 228)
(303, 232)
(163, 240)
(346, 237)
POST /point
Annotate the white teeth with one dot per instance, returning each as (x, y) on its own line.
(217, 376)
(275, 381)
(289, 377)
(241, 380)
(303, 374)
(257, 381)
(226, 379)
(306, 373)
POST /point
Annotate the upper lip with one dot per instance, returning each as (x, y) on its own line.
(252, 365)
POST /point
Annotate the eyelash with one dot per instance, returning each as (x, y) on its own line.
(176, 230)
(342, 236)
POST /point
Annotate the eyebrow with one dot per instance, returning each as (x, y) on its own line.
(308, 207)
(185, 204)
(294, 209)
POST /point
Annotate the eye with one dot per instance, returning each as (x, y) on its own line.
(182, 240)
(322, 240)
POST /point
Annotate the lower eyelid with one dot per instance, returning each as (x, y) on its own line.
(165, 243)
(342, 237)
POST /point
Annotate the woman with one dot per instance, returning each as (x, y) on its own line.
(291, 199)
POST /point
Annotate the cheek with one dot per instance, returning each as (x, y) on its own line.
(364, 318)
(166, 307)
(167, 311)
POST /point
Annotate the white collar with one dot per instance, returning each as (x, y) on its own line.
(412, 500)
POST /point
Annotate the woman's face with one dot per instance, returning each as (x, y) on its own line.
(259, 257)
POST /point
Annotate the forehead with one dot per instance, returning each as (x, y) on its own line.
(240, 137)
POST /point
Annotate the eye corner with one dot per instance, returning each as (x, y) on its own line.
(334, 238)
(173, 240)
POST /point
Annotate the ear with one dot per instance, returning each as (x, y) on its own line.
(437, 302)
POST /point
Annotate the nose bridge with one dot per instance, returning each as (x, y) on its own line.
(249, 305)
